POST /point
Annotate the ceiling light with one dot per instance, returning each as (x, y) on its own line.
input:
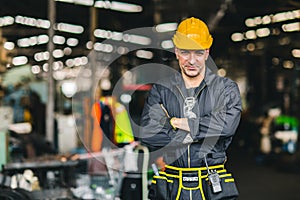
(122, 50)
(33, 41)
(237, 37)
(119, 6)
(137, 39)
(29, 21)
(89, 45)
(84, 60)
(58, 53)
(125, 98)
(108, 48)
(250, 34)
(66, 1)
(42, 39)
(144, 54)
(263, 32)
(291, 27)
(284, 16)
(105, 84)
(250, 22)
(125, 7)
(222, 72)
(166, 27)
(257, 20)
(266, 19)
(58, 65)
(55, 66)
(70, 63)
(40, 56)
(288, 64)
(35, 69)
(284, 41)
(114, 35)
(9, 46)
(46, 67)
(19, 60)
(167, 44)
(24, 42)
(84, 2)
(72, 42)
(67, 51)
(59, 75)
(57, 39)
(250, 47)
(296, 53)
(77, 61)
(275, 61)
(70, 28)
(6, 20)
(273, 18)
(80, 2)
(69, 88)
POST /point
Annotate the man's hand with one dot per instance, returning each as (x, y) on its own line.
(181, 123)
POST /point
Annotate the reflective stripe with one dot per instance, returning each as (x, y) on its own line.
(194, 168)
(170, 175)
(225, 175)
(229, 180)
(222, 175)
(162, 177)
(200, 177)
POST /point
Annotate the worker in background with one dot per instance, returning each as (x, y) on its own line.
(122, 132)
(191, 119)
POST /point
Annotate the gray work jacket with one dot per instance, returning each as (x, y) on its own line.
(217, 109)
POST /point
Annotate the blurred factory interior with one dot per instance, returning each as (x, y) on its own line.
(109, 50)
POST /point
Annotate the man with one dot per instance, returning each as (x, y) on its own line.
(190, 120)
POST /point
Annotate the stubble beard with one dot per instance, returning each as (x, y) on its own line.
(193, 75)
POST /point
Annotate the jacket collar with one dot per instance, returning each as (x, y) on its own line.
(208, 78)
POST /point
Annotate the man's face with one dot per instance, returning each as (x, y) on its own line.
(192, 62)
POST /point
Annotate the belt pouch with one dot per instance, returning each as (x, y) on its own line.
(159, 188)
(229, 189)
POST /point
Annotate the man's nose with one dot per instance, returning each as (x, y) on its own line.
(192, 58)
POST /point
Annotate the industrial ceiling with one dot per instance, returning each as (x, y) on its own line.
(223, 16)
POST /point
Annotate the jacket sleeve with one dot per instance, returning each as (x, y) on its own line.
(224, 117)
(155, 127)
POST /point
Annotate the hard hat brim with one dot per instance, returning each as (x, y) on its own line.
(183, 41)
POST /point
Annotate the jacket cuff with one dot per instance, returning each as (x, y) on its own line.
(166, 122)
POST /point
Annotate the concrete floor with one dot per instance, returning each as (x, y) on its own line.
(274, 180)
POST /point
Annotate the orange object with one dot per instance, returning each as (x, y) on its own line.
(97, 133)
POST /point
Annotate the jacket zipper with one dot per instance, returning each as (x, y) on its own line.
(189, 153)
(195, 95)
(189, 165)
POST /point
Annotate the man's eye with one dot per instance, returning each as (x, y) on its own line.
(184, 52)
(199, 53)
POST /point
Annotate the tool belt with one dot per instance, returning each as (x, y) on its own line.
(192, 183)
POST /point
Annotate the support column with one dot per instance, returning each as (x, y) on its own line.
(51, 86)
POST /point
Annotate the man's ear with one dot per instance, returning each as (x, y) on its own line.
(207, 53)
(176, 52)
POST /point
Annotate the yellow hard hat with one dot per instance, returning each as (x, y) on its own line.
(192, 33)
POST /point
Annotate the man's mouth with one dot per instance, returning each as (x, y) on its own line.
(191, 68)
